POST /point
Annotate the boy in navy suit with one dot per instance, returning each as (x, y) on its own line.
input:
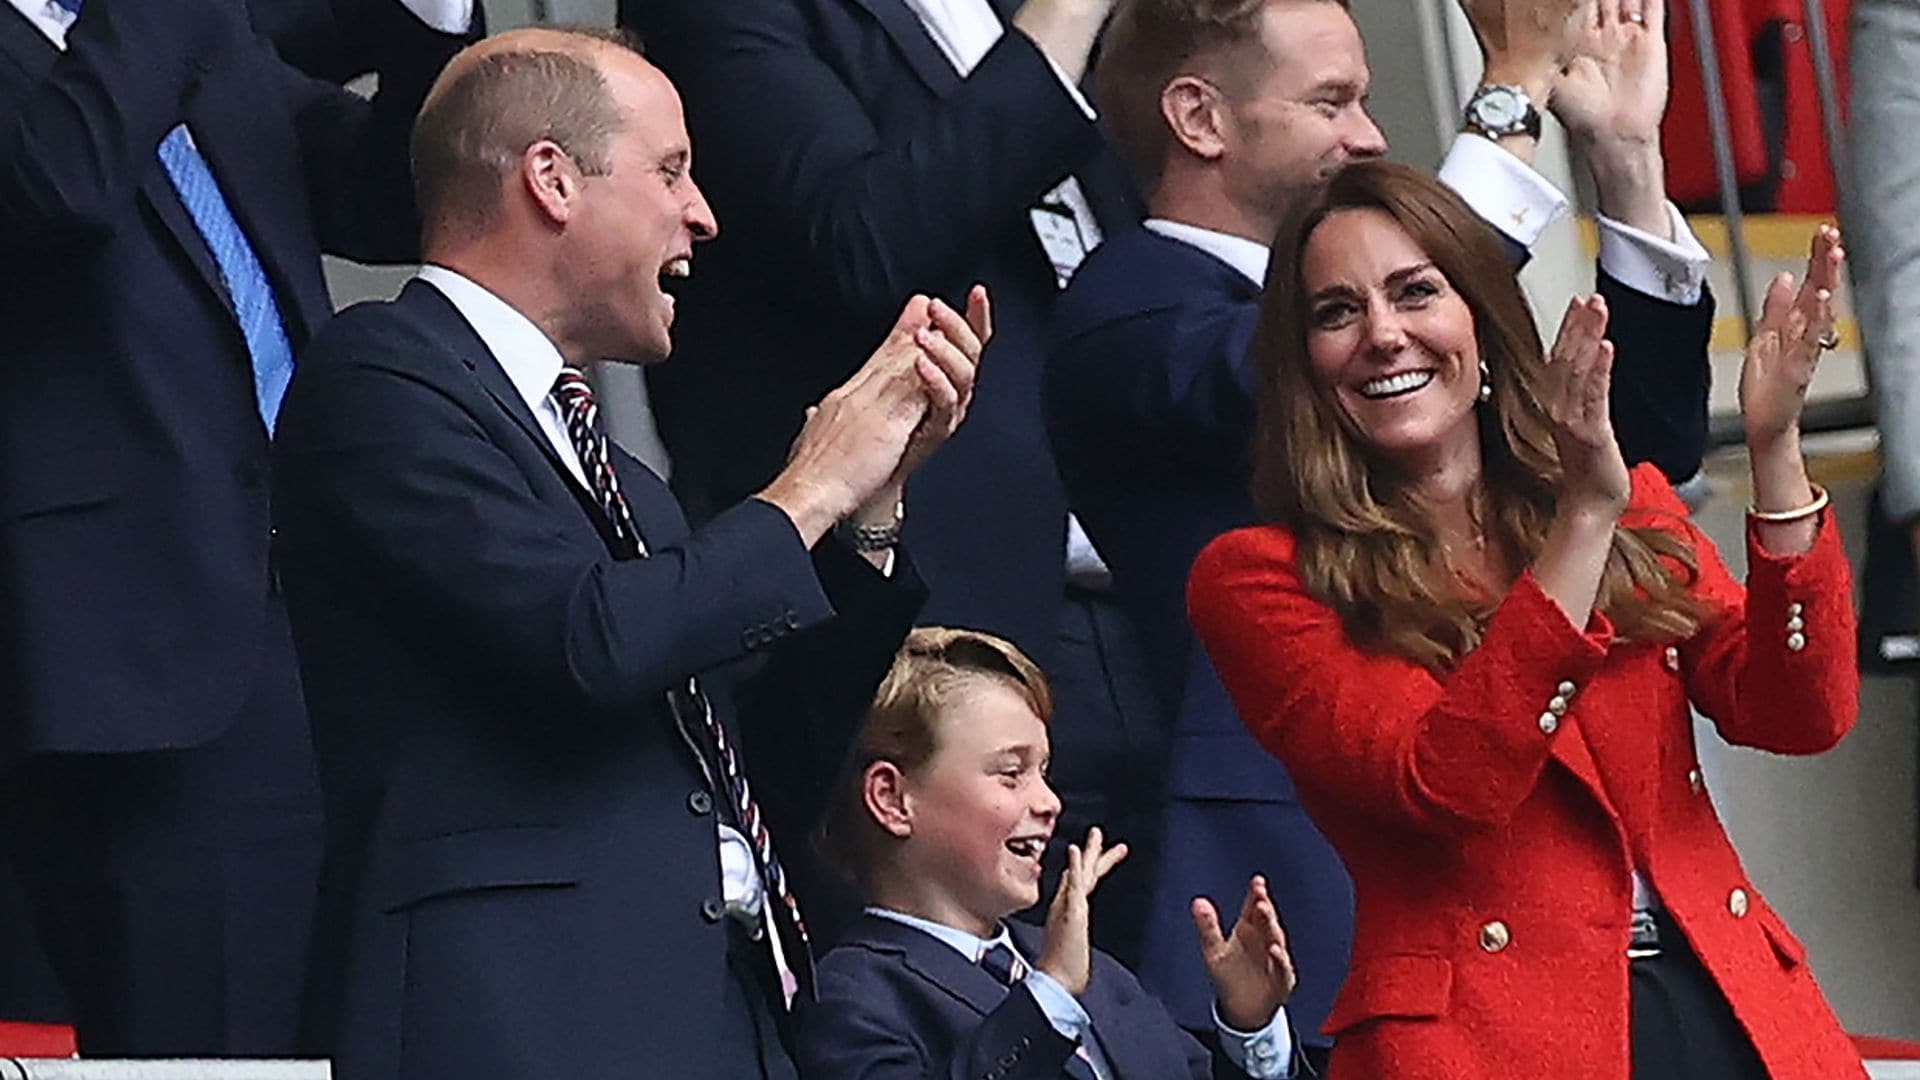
(940, 820)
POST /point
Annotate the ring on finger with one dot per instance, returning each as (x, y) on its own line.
(1636, 17)
(1830, 339)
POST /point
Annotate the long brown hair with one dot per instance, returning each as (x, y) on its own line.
(1364, 546)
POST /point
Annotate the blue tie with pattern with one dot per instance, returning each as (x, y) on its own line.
(251, 294)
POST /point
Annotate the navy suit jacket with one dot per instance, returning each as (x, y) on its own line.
(522, 862)
(896, 1003)
(850, 166)
(133, 462)
(1150, 409)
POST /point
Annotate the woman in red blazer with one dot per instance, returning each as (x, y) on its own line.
(1473, 635)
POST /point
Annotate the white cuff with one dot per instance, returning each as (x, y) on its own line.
(1505, 191)
(1266, 1054)
(446, 16)
(1672, 270)
(1060, 1007)
(1072, 90)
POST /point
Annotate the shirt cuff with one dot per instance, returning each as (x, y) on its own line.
(1672, 270)
(1060, 1007)
(1506, 192)
(1072, 90)
(1266, 1054)
(446, 16)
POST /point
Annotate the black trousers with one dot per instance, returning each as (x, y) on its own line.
(1683, 1028)
(173, 890)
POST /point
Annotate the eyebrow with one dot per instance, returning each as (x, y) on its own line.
(1397, 277)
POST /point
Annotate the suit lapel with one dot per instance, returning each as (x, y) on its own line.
(910, 36)
(932, 960)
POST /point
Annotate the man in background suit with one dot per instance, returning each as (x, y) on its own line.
(860, 150)
(544, 855)
(166, 188)
(1225, 110)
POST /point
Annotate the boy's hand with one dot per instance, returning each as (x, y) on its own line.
(1068, 958)
(1251, 969)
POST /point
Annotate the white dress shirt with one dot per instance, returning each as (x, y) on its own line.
(532, 362)
(1266, 1054)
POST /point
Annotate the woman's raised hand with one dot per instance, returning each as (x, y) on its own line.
(1575, 394)
(1795, 327)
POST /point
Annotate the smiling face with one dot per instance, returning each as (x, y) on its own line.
(1307, 115)
(638, 223)
(980, 811)
(1390, 342)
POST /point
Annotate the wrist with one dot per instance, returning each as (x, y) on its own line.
(1629, 179)
(813, 508)
(1242, 1018)
(1534, 77)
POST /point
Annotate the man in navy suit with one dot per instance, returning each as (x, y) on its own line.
(860, 150)
(166, 188)
(546, 852)
(1149, 382)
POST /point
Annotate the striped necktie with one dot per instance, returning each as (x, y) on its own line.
(713, 747)
(1005, 965)
(248, 289)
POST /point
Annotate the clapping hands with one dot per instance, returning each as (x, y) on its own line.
(1576, 393)
(1794, 329)
(1252, 971)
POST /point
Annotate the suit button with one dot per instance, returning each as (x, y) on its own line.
(1565, 689)
(791, 621)
(1695, 781)
(712, 909)
(700, 803)
(1737, 903)
(1495, 936)
(1796, 642)
(1558, 706)
(1549, 723)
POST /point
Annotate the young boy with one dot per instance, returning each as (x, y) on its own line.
(940, 821)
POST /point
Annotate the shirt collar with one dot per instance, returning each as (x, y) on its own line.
(52, 20)
(1244, 255)
(524, 352)
(971, 946)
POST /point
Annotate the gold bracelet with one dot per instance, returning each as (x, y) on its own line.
(1818, 504)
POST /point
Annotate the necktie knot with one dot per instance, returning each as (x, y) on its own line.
(1002, 963)
(575, 396)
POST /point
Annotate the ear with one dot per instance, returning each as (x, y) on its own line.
(1196, 114)
(883, 790)
(551, 180)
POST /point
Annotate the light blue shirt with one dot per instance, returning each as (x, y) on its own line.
(1266, 1054)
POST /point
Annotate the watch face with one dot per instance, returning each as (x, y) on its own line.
(1498, 108)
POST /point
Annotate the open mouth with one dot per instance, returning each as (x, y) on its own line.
(1028, 847)
(678, 268)
(1392, 386)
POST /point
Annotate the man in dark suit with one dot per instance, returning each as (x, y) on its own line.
(860, 150)
(166, 189)
(544, 854)
(1149, 382)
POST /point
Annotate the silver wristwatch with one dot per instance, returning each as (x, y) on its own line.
(1500, 109)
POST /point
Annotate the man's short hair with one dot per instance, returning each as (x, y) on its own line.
(477, 127)
(1148, 43)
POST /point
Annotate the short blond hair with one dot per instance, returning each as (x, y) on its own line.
(936, 666)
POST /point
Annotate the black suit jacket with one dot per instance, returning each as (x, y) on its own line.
(1150, 408)
(850, 166)
(897, 1003)
(133, 461)
(522, 860)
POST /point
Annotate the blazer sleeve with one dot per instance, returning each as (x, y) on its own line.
(1661, 377)
(858, 1031)
(76, 145)
(788, 151)
(1439, 755)
(1773, 667)
(1181, 375)
(359, 172)
(417, 499)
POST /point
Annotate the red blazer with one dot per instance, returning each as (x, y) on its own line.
(1490, 840)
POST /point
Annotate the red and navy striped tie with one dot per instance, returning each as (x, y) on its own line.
(575, 397)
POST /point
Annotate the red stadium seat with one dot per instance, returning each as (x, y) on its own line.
(36, 1040)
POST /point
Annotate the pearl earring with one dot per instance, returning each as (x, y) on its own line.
(1486, 382)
